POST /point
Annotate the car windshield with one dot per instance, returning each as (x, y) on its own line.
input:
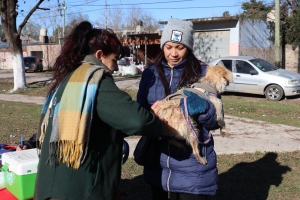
(263, 65)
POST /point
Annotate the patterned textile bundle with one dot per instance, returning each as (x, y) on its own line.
(72, 116)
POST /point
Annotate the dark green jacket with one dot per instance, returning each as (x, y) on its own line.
(99, 176)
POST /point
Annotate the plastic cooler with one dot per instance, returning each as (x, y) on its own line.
(20, 169)
(2, 151)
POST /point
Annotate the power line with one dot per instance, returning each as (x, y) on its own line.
(165, 8)
(146, 8)
(134, 4)
(84, 3)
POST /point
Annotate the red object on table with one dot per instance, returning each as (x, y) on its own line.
(5, 194)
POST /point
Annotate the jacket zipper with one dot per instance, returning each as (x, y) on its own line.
(170, 172)
(171, 80)
(168, 159)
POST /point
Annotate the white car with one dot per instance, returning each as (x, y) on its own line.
(257, 76)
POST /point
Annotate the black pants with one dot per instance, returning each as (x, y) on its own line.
(158, 193)
(184, 196)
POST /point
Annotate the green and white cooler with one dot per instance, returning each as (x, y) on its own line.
(20, 168)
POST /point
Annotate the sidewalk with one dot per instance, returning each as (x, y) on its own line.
(249, 136)
(246, 135)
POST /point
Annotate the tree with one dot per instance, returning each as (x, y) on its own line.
(2, 36)
(292, 35)
(136, 14)
(255, 10)
(9, 13)
(289, 19)
(73, 19)
(31, 30)
(115, 21)
(226, 14)
(149, 23)
(118, 20)
(48, 19)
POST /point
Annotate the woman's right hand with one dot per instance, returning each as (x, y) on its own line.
(168, 130)
(18, 148)
(155, 108)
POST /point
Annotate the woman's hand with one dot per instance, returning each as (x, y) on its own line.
(168, 130)
(18, 148)
(155, 108)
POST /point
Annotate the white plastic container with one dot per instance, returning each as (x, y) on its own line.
(2, 186)
(20, 168)
(132, 70)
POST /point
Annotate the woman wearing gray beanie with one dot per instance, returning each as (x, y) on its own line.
(176, 174)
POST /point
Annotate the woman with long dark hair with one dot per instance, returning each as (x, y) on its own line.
(177, 174)
(84, 120)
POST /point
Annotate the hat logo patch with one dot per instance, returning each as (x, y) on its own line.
(176, 36)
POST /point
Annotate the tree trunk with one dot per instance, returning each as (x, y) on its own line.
(15, 46)
(19, 72)
(8, 19)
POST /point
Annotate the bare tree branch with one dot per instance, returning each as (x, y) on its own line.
(289, 2)
(28, 16)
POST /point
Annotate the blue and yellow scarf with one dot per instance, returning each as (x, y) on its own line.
(72, 116)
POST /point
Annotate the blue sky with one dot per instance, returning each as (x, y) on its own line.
(161, 10)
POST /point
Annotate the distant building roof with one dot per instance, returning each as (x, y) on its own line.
(26, 39)
(4, 45)
(208, 19)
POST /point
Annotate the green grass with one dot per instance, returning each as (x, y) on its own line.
(261, 109)
(32, 90)
(251, 107)
(261, 175)
(17, 119)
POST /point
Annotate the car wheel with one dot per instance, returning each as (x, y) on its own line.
(274, 93)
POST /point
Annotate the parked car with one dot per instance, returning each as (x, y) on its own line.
(124, 61)
(257, 76)
(33, 63)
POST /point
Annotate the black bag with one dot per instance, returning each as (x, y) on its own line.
(147, 151)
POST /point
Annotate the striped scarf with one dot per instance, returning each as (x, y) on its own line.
(72, 116)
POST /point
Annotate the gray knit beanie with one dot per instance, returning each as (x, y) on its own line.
(179, 31)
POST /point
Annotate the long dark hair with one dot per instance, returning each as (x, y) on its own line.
(83, 40)
(190, 75)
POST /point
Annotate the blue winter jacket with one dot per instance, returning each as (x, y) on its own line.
(178, 170)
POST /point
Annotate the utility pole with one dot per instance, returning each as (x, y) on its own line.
(64, 7)
(146, 38)
(105, 14)
(277, 33)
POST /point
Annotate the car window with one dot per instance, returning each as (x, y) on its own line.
(227, 64)
(243, 67)
(263, 65)
(30, 59)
